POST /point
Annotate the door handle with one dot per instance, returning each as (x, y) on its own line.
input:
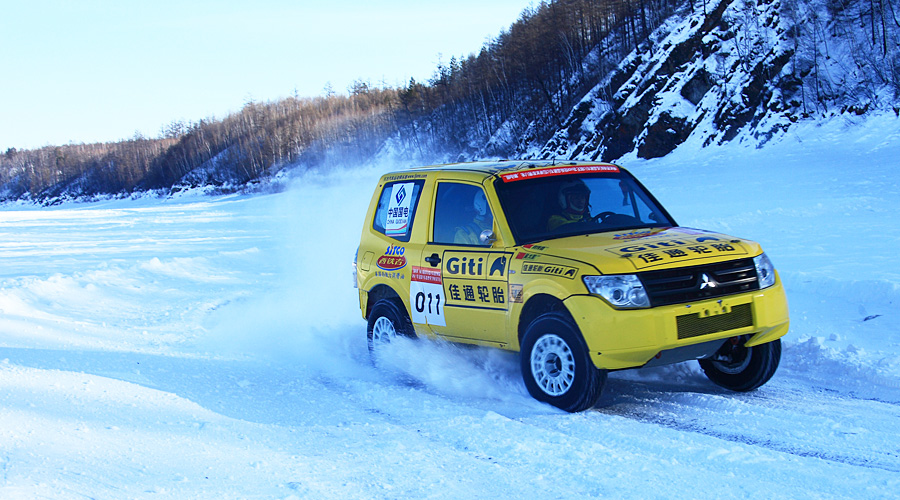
(434, 260)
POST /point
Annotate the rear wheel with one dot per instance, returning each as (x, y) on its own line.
(387, 320)
(556, 366)
(740, 368)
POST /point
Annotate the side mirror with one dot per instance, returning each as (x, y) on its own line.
(487, 237)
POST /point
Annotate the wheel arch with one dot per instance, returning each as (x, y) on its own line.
(535, 306)
(379, 292)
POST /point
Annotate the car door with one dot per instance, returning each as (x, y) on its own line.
(463, 292)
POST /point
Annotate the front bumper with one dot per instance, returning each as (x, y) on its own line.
(619, 339)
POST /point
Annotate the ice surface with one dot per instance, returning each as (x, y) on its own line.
(212, 348)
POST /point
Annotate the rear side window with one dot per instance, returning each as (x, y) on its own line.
(397, 208)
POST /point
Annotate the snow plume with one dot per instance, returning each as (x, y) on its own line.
(457, 370)
(308, 317)
(306, 310)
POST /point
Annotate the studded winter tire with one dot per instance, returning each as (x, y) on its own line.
(741, 368)
(556, 366)
(387, 320)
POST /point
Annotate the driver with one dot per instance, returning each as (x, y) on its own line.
(573, 200)
(470, 233)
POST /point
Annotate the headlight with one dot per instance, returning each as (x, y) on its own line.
(765, 271)
(624, 290)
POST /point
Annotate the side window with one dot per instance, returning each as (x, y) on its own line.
(397, 209)
(461, 213)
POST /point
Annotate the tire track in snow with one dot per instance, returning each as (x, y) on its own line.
(396, 404)
(771, 411)
(770, 444)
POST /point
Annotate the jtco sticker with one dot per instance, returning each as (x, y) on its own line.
(426, 296)
(393, 259)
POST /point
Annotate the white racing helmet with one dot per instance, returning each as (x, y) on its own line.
(480, 203)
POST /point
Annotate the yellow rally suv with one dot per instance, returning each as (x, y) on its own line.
(574, 265)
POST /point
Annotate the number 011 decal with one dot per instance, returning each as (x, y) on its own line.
(426, 296)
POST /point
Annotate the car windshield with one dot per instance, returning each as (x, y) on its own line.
(541, 206)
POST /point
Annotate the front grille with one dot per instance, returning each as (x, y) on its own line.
(694, 325)
(687, 284)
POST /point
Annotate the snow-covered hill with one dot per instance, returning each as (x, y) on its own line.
(212, 348)
(744, 70)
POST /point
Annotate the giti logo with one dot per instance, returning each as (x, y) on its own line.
(498, 266)
(465, 266)
(476, 265)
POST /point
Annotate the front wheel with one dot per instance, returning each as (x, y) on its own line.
(740, 368)
(556, 366)
(387, 320)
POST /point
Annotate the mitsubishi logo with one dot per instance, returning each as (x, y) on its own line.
(707, 282)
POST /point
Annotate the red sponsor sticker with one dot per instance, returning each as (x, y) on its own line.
(391, 262)
(426, 275)
(554, 171)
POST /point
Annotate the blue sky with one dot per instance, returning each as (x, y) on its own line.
(100, 70)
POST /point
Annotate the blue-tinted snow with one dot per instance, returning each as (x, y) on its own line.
(212, 348)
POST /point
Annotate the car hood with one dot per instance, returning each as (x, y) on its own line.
(624, 252)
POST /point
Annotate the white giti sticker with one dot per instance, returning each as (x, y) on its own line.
(426, 295)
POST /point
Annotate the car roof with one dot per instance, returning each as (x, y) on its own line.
(489, 168)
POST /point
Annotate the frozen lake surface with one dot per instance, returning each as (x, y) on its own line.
(213, 348)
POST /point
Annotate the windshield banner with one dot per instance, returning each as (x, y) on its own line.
(554, 171)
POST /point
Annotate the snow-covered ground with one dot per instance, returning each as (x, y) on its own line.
(212, 348)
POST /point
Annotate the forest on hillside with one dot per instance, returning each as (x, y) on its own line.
(519, 88)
